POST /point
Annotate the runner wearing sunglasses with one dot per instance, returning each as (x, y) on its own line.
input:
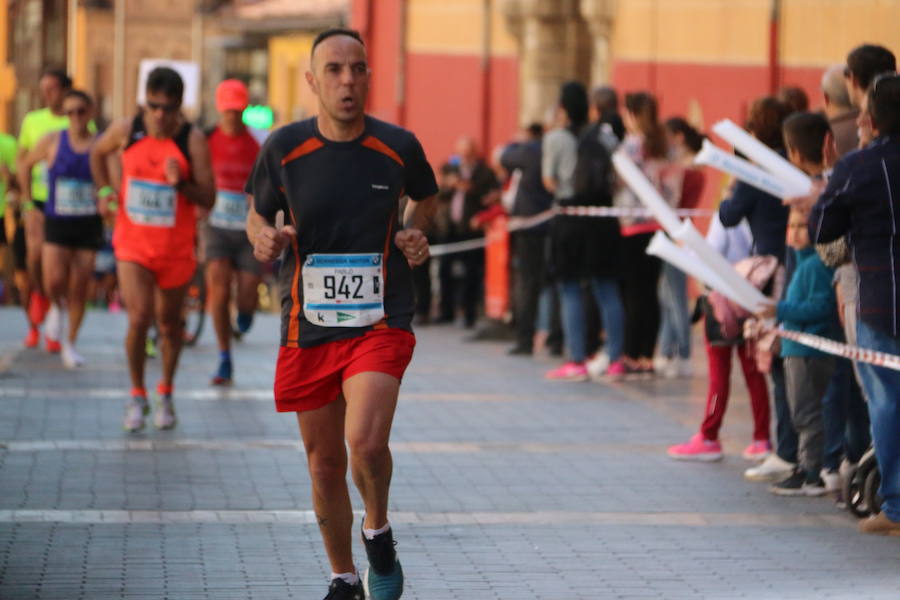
(73, 230)
(166, 173)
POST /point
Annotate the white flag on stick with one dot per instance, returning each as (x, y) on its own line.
(764, 156)
(745, 171)
(730, 281)
(644, 190)
(664, 248)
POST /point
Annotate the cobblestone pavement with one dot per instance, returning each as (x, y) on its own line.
(505, 487)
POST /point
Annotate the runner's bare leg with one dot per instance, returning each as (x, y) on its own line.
(248, 292)
(371, 401)
(136, 284)
(169, 304)
(57, 260)
(34, 241)
(322, 431)
(218, 284)
(81, 268)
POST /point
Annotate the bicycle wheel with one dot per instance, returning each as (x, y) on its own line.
(194, 310)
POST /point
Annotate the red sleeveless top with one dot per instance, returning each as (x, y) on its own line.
(154, 220)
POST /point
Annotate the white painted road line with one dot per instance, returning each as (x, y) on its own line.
(143, 445)
(308, 517)
(228, 394)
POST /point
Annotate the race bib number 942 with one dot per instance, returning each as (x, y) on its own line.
(343, 290)
(150, 203)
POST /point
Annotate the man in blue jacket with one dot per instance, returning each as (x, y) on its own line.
(863, 199)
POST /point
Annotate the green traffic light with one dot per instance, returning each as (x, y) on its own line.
(258, 117)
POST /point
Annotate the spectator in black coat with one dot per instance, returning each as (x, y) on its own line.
(528, 245)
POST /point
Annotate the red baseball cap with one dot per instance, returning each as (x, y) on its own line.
(232, 94)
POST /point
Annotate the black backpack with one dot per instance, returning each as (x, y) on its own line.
(594, 174)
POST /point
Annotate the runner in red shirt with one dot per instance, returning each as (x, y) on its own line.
(348, 303)
(229, 255)
(165, 174)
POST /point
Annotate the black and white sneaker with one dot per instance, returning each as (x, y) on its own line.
(815, 487)
(383, 580)
(341, 590)
(798, 484)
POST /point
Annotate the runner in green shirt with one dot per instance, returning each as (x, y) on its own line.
(53, 86)
(11, 232)
(7, 171)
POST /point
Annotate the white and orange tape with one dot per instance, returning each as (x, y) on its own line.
(855, 353)
(519, 223)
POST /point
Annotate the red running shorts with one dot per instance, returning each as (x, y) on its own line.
(168, 273)
(310, 378)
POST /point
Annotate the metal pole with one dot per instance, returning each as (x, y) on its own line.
(72, 38)
(400, 92)
(119, 60)
(774, 33)
(197, 55)
(486, 43)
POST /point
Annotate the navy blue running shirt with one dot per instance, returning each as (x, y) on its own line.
(343, 198)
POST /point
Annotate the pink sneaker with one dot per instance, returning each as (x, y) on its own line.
(758, 450)
(697, 448)
(616, 371)
(570, 371)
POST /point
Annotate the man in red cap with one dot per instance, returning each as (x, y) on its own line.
(229, 256)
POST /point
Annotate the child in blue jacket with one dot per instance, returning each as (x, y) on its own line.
(809, 306)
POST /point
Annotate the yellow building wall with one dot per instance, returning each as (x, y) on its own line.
(691, 31)
(289, 94)
(81, 76)
(442, 27)
(819, 33)
(812, 32)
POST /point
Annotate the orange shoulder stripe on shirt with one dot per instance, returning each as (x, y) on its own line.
(310, 145)
(375, 144)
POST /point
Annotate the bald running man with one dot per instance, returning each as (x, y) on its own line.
(346, 336)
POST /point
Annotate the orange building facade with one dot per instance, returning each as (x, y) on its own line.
(708, 59)
(446, 68)
(454, 72)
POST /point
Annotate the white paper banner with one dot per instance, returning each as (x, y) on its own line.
(748, 296)
(745, 294)
(645, 191)
(664, 248)
(715, 157)
(763, 156)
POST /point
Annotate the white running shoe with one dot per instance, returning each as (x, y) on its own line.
(685, 368)
(135, 411)
(666, 367)
(53, 325)
(164, 415)
(597, 365)
(771, 469)
(832, 480)
(70, 358)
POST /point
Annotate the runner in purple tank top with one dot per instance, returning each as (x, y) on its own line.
(73, 229)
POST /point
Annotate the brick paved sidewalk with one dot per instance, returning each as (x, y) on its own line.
(505, 487)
